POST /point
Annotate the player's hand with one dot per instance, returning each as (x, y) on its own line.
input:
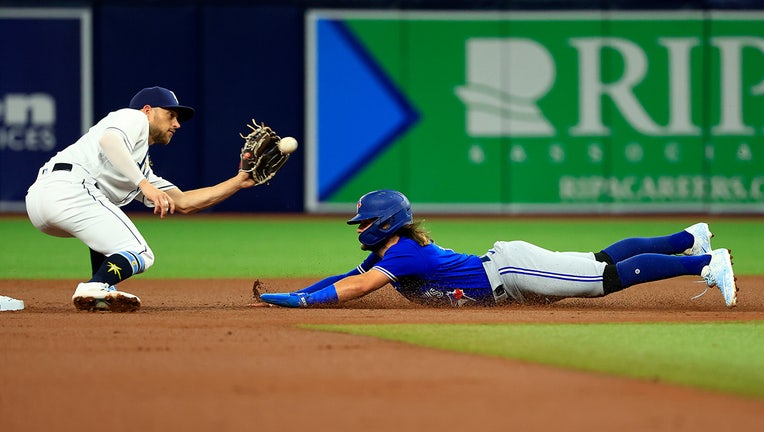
(163, 204)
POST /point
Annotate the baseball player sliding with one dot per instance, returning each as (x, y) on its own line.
(79, 192)
(404, 255)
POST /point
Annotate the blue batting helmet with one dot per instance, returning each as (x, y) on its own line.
(390, 208)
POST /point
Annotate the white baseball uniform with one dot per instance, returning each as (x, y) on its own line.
(78, 192)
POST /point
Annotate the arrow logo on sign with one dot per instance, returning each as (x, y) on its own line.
(360, 110)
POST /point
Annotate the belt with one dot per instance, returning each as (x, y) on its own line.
(485, 258)
(62, 167)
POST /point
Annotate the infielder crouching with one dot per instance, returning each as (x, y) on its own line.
(79, 192)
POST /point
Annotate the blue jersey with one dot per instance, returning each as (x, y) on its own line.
(433, 275)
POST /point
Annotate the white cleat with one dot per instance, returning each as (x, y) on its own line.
(719, 273)
(99, 296)
(702, 236)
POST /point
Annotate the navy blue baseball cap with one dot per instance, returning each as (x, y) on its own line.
(160, 97)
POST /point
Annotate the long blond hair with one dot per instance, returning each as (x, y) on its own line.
(416, 232)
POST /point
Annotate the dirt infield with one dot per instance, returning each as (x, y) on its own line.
(195, 358)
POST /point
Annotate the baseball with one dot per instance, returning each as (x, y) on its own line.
(287, 145)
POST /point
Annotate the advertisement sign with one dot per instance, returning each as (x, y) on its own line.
(45, 92)
(537, 112)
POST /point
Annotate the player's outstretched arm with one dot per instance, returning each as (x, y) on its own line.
(349, 288)
(187, 202)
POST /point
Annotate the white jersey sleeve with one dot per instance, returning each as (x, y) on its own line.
(133, 127)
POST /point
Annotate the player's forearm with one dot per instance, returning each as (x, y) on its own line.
(346, 289)
(332, 294)
(352, 287)
(325, 296)
(200, 199)
(349, 288)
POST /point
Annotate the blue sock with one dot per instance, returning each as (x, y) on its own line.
(96, 261)
(652, 267)
(117, 267)
(667, 245)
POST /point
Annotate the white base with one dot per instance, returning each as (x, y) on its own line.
(10, 304)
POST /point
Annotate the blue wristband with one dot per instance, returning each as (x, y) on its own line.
(326, 295)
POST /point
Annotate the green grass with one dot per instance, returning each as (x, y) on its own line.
(726, 357)
(267, 247)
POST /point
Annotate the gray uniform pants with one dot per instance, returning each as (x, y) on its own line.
(522, 272)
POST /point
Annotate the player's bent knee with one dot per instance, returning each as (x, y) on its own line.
(148, 258)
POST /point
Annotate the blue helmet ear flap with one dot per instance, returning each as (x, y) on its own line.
(390, 211)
